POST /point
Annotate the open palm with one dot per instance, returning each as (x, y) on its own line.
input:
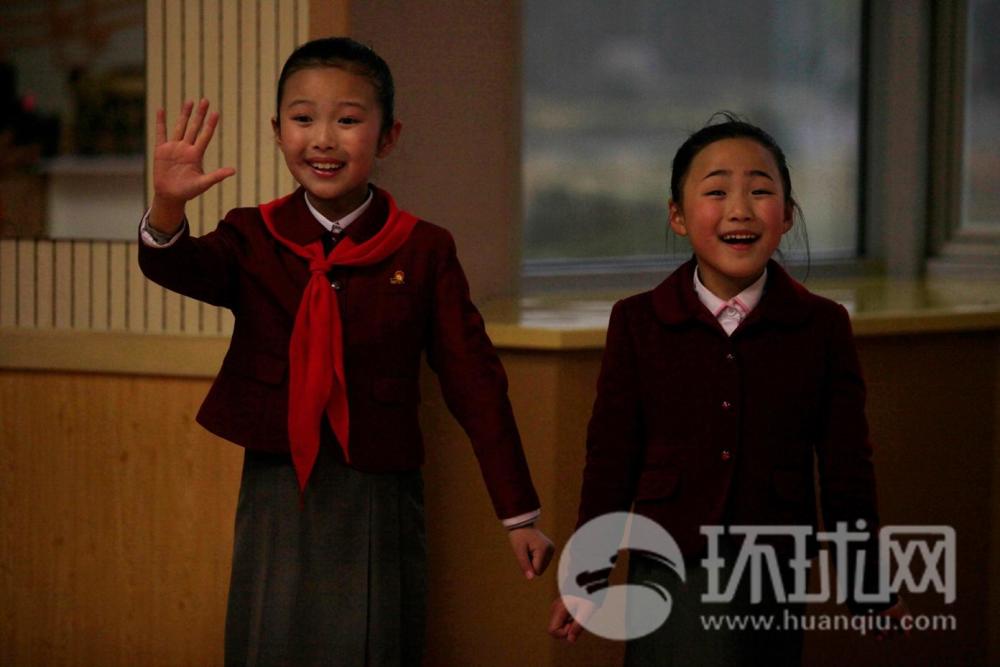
(178, 164)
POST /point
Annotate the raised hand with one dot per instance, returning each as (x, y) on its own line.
(178, 163)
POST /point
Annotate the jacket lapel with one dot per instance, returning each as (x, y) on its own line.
(675, 301)
(784, 301)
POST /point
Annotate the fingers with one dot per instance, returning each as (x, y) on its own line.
(161, 127)
(532, 549)
(201, 143)
(562, 625)
(522, 552)
(194, 127)
(196, 130)
(560, 619)
(182, 121)
(542, 555)
(217, 176)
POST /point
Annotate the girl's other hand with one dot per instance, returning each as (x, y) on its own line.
(564, 622)
(532, 549)
(178, 170)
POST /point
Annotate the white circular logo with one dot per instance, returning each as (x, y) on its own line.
(619, 612)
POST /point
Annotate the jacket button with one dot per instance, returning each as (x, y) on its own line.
(730, 356)
(726, 455)
(726, 405)
(336, 285)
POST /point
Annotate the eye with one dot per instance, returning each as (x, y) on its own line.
(301, 118)
(715, 193)
(349, 120)
(761, 192)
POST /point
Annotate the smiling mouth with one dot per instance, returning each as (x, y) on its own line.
(326, 167)
(739, 238)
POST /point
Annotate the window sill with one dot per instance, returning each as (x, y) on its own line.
(878, 307)
(557, 322)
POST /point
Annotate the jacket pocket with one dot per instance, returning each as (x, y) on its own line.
(396, 390)
(657, 484)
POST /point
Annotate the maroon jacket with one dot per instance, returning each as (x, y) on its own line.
(696, 427)
(415, 301)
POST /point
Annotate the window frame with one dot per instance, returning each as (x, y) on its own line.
(952, 249)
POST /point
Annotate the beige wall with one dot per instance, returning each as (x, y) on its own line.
(458, 164)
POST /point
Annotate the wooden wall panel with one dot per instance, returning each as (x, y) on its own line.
(26, 281)
(100, 264)
(117, 283)
(80, 295)
(62, 289)
(116, 512)
(44, 285)
(8, 283)
(115, 522)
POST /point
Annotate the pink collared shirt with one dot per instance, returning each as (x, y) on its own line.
(731, 313)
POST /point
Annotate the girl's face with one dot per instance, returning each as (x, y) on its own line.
(329, 130)
(734, 212)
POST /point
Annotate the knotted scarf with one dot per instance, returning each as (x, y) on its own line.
(316, 382)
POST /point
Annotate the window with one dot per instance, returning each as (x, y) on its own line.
(981, 136)
(72, 117)
(611, 91)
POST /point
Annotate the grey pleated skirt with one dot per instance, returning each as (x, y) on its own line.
(339, 580)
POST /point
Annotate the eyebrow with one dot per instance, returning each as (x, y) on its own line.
(729, 172)
(344, 103)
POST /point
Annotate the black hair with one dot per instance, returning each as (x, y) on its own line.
(731, 127)
(728, 125)
(348, 54)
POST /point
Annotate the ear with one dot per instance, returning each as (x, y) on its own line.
(789, 217)
(276, 127)
(677, 219)
(388, 140)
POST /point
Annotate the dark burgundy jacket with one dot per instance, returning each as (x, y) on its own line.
(695, 427)
(388, 324)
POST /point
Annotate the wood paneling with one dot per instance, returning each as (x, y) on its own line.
(116, 522)
(116, 512)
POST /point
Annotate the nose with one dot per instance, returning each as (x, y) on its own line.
(324, 136)
(740, 208)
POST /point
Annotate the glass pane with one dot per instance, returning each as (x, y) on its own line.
(981, 163)
(72, 117)
(612, 89)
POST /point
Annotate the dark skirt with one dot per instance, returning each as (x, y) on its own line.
(339, 580)
(684, 640)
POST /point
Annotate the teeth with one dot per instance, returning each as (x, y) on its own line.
(739, 237)
(326, 165)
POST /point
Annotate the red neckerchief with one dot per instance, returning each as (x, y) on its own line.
(316, 381)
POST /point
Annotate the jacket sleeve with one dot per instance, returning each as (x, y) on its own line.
(474, 386)
(203, 268)
(844, 456)
(615, 432)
